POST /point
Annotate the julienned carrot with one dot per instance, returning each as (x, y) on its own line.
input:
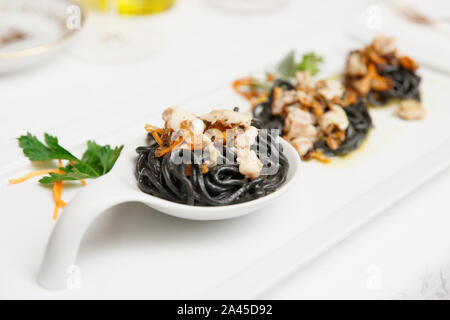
(33, 174)
(245, 82)
(57, 186)
(157, 138)
(160, 153)
(55, 211)
(150, 128)
(154, 131)
(57, 191)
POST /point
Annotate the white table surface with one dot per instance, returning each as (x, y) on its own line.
(405, 253)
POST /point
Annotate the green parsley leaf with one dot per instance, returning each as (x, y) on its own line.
(35, 150)
(55, 177)
(101, 159)
(58, 151)
(95, 162)
(310, 63)
(286, 68)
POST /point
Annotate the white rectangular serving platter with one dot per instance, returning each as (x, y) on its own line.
(135, 252)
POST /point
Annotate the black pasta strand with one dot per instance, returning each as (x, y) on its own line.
(406, 85)
(222, 185)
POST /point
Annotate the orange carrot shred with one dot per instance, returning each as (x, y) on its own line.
(32, 175)
(250, 95)
(57, 191)
(157, 138)
(318, 155)
(160, 153)
(57, 186)
(55, 211)
(150, 128)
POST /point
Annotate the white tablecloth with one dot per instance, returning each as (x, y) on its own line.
(405, 253)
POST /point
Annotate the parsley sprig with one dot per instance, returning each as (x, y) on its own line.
(310, 62)
(95, 162)
(287, 67)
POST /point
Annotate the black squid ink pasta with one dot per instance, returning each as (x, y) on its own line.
(379, 73)
(405, 85)
(222, 184)
(357, 114)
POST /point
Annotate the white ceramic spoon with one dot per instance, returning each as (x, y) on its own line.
(119, 186)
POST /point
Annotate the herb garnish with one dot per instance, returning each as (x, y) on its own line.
(286, 69)
(95, 162)
(288, 66)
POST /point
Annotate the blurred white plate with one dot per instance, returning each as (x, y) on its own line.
(33, 31)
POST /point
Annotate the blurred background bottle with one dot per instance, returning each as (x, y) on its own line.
(133, 7)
